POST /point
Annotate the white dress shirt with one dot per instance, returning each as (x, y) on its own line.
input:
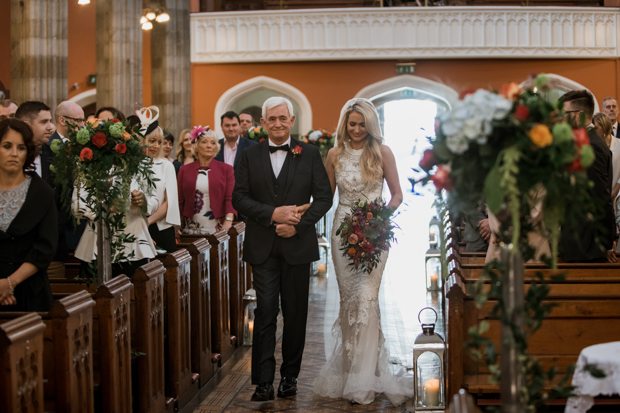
(278, 157)
(230, 153)
(37, 166)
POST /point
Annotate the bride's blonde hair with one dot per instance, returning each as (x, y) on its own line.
(371, 161)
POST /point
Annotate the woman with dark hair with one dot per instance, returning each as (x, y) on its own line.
(108, 113)
(168, 145)
(28, 223)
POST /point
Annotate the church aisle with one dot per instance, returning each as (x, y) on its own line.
(404, 284)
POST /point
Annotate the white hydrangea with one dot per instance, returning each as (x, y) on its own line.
(314, 136)
(470, 119)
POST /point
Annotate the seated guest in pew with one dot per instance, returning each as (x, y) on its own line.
(477, 231)
(108, 113)
(585, 244)
(28, 223)
(205, 187)
(184, 150)
(162, 221)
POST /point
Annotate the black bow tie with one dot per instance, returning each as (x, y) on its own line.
(272, 149)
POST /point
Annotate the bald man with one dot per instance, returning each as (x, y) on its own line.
(67, 113)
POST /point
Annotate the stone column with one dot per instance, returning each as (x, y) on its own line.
(170, 67)
(119, 54)
(39, 50)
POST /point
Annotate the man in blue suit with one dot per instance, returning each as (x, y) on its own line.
(233, 144)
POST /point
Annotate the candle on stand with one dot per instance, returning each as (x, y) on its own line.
(432, 236)
(321, 267)
(434, 281)
(251, 328)
(431, 394)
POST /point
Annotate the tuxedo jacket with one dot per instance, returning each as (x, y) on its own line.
(32, 237)
(243, 143)
(255, 197)
(583, 245)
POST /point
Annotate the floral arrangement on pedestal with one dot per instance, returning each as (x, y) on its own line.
(103, 158)
(321, 139)
(365, 233)
(514, 150)
(257, 134)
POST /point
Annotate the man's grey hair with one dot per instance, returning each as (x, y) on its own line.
(277, 101)
(609, 98)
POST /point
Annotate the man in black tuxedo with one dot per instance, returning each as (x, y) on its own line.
(232, 145)
(274, 178)
(586, 245)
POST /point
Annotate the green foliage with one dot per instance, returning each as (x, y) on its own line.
(324, 142)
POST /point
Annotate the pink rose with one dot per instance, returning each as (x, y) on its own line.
(353, 239)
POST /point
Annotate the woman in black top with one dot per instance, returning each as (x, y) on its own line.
(28, 223)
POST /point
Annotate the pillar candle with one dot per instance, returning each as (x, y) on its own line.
(434, 280)
(431, 395)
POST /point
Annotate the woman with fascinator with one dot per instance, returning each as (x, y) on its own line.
(358, 369)
(205, 187)
(162, 221)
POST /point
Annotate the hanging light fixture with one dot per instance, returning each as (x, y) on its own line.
(163, 17)
(143, 20)
(147, 26)
(83, 1)
(150, 14)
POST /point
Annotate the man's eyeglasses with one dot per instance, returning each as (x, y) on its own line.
(74, 119)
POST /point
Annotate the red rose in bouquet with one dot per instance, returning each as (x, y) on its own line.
(86, 153)
(120, 148)
(99, 140)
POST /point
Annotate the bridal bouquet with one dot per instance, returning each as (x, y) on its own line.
(366, 232)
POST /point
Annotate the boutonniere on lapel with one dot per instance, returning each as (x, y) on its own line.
(296, 151)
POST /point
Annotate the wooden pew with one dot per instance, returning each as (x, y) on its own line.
(67, 353)
(238, 285)
(111, 340)
(21, 364)
(204, 362)
(148, 337)
(222, 340)
(587, 312)
(181, 383)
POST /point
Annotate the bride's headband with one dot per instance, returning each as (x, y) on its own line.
(197, 132)
(147, 119)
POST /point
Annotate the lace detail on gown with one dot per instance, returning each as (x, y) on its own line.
(359, 366)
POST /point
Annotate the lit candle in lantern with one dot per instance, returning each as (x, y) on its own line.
(434, 281)
(251, 328)
(321, 267)
(431, 396)
(432, 236)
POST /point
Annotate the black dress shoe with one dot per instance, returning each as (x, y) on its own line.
(263, 393)
(287, 387)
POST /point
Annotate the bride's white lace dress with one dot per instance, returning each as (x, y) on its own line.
(359, 366)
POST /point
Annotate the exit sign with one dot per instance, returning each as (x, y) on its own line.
(92, 79)
(405, 68)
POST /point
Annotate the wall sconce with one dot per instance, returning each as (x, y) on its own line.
(153, 12)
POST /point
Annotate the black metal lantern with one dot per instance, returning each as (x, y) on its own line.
(433, 232)
(429, 384)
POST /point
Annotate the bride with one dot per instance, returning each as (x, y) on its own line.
(358, 369)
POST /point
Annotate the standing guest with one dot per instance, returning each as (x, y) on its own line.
(585, 245)
(603, 126)
(185, 155)
(168, 146)
(69, 234)
(232, 144)
(38, 116)
(610, 108)
(246, 121)
(90, 116)
(7, 109)
(28, 229)
(161, 222)
(108, 113)
(205, 187)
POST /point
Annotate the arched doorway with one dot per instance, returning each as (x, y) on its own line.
(87, 100)
(250, 95)
(560, 85)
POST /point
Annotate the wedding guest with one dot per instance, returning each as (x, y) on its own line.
(205, 187)
(161, 222)
(90, 116)
(69, 234)
(585, 244)
(232, 144)
(7, 109)
(602, 123)
(477, 230)
(610, 108)
(246, 121)
(28, 223)
(108, 113)
(133, 121)
(168, 146)
(185, 155)
(39, 117)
